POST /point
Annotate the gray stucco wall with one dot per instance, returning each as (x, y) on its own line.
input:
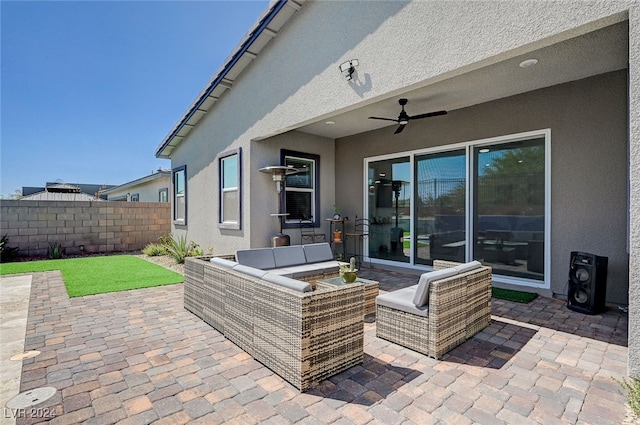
(267, 152)
(147, 191)
(634, 166)
(295, 78)
(588, 126)
(258, 190)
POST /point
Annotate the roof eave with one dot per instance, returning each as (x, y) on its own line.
(141, 180)
(224, 78)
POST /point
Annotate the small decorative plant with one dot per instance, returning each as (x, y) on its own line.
(336, 212)
(349, 273)
(55, 251)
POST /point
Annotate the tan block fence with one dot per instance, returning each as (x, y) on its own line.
(84, 226)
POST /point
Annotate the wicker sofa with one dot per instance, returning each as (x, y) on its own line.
(303, 335)
(447, 307)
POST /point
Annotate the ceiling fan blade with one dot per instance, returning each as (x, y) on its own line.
(427, 115)
(385, 119)
(399, 129)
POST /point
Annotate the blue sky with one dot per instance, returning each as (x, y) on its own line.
(89, 89)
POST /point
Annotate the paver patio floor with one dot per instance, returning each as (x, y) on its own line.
(139, 357)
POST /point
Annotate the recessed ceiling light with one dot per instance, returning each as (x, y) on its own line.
(483, 150)
(528, 63)
(330, 122)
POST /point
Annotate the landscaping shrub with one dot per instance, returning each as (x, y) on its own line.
(155, 249)
(165, 240)
(6, 253)
(180, 249)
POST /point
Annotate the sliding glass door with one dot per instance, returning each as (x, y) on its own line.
(440, 203)
(484, 200)
(509, 206)
(389, 189)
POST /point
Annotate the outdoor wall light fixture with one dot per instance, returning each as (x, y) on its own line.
(348, 68)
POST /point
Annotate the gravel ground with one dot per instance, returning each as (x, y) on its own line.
(165, 261)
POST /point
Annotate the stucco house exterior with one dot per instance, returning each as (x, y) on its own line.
(539, 150)
(150, 188)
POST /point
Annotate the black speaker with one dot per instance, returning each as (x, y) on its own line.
(587, 283)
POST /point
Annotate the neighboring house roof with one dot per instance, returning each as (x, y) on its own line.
(63, 188)
(153, 176)
(90, 189)
(260, 34)
(61, 192)
(60, 196)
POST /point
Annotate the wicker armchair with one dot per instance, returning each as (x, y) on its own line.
(458, 307)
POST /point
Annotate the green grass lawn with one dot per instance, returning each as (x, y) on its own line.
(99, 275)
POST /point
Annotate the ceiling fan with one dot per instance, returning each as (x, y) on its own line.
(404, 118)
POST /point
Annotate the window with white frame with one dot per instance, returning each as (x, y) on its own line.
(229, 165)
(301, 189)
(180, 195)
(163, 195)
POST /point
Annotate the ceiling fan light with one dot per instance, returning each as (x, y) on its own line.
(403, 122)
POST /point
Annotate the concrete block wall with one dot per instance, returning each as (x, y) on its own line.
(95, 226)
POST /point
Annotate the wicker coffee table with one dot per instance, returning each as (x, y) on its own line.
(371, 290)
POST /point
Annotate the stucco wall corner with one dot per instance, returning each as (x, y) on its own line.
(634, 195)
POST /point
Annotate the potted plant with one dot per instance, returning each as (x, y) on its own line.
(349, 273)
(336, 212)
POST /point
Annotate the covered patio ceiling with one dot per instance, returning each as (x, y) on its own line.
(601, 48)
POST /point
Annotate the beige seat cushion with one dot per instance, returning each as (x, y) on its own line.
(402, 300)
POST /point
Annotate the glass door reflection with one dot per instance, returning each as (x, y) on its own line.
(389, 203)
(441, 190)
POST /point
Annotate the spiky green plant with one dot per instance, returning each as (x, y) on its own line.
(180, 248)
(55, 251)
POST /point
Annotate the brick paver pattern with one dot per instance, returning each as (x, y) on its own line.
(139, 357)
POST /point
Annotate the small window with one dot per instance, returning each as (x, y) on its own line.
(135, 197)
(180, 195)
(301, 191)
(163, 195)
(229, 164)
